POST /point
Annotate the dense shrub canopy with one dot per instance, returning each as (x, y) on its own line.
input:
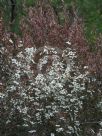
(50, 68)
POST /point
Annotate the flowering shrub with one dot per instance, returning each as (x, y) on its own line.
(50, 87)
(50, 102)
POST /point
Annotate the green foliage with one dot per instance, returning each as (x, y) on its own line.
(5, 8)
(90, 11)
(56, 2)
(29, 3)
(92, 14)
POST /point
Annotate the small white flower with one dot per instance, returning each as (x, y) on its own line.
(59, 129)
(52, 134)
(20, 45)
(68, 42)
(101, 124)
(11, 41)
(32, 131)
(85, 67)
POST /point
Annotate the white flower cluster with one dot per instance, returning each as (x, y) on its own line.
(55, 96)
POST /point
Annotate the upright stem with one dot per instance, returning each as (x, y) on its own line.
(65, 12)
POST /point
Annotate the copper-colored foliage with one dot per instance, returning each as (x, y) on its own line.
(41, 26)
